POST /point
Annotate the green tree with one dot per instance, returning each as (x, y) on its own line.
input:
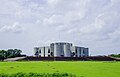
(17, 52)
(3, 54)
(115, 55)
(14, 53)
(10, 53)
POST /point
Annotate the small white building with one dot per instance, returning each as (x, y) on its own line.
(61, 49)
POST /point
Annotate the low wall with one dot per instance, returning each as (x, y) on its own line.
(92, 58)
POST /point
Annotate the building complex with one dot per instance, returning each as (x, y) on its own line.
(61, 49)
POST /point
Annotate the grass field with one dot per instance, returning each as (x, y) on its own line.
(81, 69)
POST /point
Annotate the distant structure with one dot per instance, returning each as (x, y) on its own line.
(61, 49)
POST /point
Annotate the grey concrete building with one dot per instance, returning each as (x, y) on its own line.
(80, 51)
(42, 51)
(61, 49)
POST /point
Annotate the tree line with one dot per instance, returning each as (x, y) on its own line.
(115, 55)
(10, 53)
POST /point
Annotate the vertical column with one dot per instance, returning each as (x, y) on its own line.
(47, 52)
(52, 49)
(57, 49)
(86, 51)
(67, 50)
(73, 51)
(78, 49)
(82, 50)
(42, 51)
(76, 52)
(39, 52)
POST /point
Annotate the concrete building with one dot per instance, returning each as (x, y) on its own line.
(79, 51)
(61, 49)
(42, 51)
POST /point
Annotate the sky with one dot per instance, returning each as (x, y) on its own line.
(25, 24)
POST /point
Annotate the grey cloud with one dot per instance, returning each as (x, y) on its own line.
(83, 22)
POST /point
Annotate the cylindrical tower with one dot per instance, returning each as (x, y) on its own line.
(67, 50)
(57, 50)
(61, 49)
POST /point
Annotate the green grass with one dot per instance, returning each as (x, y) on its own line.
(82, 69)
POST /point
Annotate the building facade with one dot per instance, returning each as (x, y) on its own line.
(61, 49)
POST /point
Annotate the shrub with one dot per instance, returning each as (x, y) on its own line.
(21, 74)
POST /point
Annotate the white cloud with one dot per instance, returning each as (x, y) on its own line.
(86, 22)
(15, 28)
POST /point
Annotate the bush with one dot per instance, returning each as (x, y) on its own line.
(115, 55)
(21, 74)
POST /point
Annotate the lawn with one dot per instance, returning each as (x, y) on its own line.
(83, 69)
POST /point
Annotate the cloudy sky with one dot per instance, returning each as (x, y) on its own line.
(25, 24)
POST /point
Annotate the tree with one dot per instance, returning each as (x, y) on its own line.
(115, 55)
(10, 53)
(14, 52)
(17, 52)
(3, 54)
